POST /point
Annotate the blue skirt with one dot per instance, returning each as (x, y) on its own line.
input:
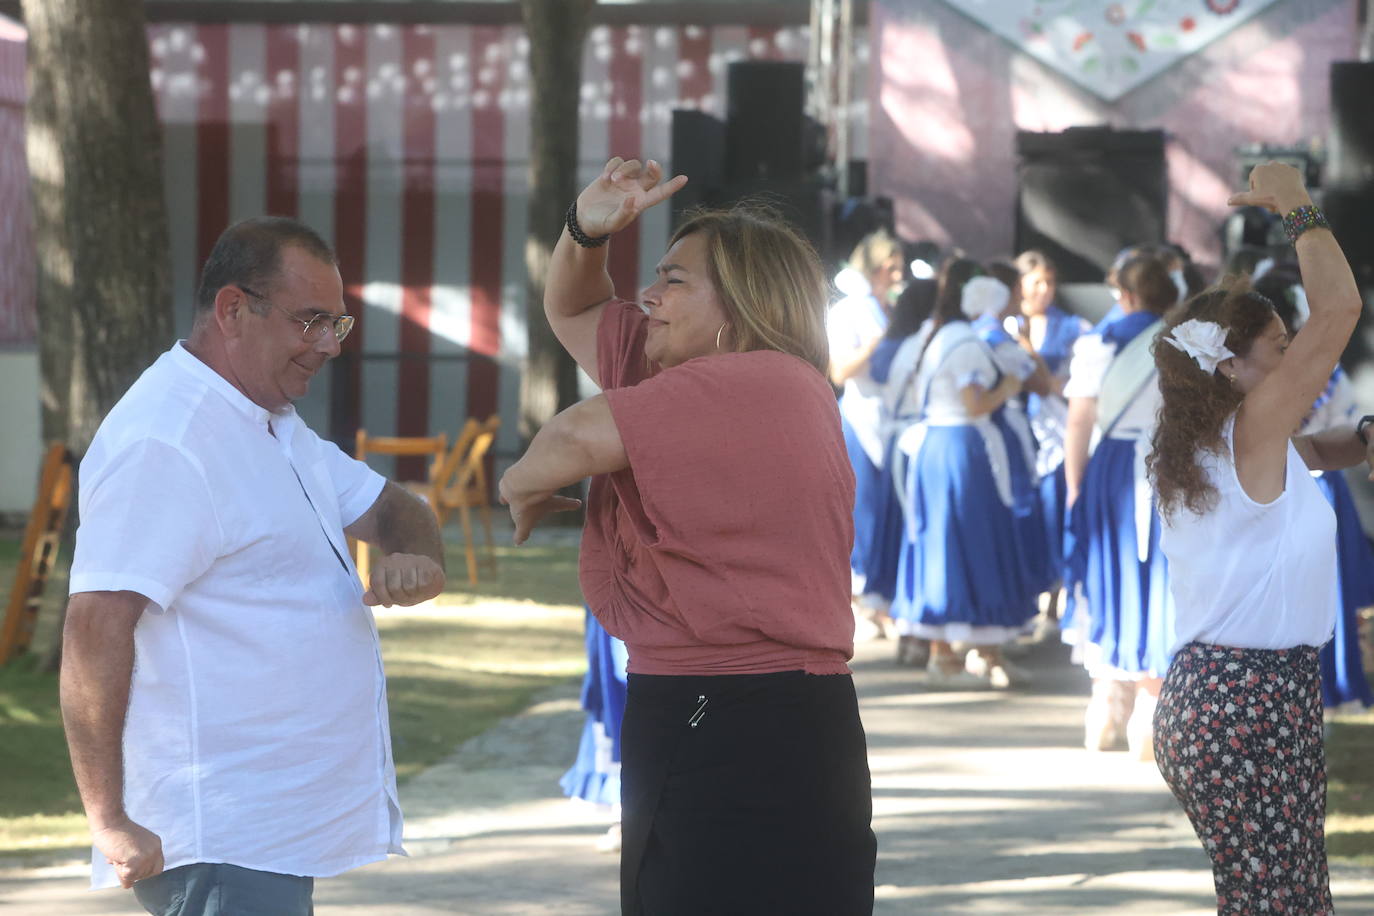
(867, 482)
(1343, 677)
(1033, 554)
(1129, 615)
(959, 563)
(885, 538)
(1053, 493)
(595, 774)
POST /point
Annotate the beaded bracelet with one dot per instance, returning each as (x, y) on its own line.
(1300, 219)
(580, 237)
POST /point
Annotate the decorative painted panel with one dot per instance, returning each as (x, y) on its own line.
(1110, 47)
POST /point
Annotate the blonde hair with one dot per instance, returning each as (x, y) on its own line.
(873, 251)
(768, 278)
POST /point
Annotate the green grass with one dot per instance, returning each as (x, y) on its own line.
(481, 656)
(1350, 788)
(454, 670)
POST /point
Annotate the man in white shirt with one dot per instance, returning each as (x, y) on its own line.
(222, 684)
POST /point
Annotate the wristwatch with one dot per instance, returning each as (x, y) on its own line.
(1362, 426)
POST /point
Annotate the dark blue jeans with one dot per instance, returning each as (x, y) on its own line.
(213, 889)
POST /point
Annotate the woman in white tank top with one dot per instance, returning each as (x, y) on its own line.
(1252, 553)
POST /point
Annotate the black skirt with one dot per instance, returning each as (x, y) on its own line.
(745, 794)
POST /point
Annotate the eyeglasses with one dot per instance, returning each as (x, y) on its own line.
(312, 329)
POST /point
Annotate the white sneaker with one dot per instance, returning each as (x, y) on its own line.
(1104, 721)
(938, 678)
(1005, 675)
(865, 629)
(1000, 675)
(1140, 728)
(610, 840)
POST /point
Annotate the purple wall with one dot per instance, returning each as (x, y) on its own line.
(18, 324)
(947, 97)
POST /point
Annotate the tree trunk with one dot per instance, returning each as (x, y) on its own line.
(99, 220)
(100, 225)
(557, 30)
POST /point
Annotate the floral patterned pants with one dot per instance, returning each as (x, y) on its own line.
(1238, 738)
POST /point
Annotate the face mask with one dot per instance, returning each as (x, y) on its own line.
(1179, 283)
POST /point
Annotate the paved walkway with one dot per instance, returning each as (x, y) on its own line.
(983, 804)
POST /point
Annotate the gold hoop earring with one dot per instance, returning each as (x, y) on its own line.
(719, 331)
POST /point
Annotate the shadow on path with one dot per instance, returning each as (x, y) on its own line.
(984, 803)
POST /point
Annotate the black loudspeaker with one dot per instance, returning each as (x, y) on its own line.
(1351, 214)
(1086, 193)
(803, 202)
(763, 133)
(1351, 149)
(698, 151)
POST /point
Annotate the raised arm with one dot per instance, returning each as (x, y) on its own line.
(97, 664)
(1276, 406)
(411, 569)
(578, 285)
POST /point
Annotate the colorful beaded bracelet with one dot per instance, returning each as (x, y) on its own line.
(578, 236)
(1300, 219)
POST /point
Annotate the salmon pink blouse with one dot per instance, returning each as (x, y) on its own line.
(724, 547)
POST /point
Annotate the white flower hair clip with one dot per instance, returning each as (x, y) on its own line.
(983, 296)
(1204, 341)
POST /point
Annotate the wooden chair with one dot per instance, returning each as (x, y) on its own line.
(42, 538)
(447, 469)
(404, 446)
(463, 485)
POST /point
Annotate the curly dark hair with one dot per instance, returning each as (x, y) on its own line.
(1196, 404)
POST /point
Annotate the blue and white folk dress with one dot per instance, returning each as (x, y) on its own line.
(1048, 414)
(894, 364)
(595, 774)
(1038, 568)
(1121, 611)
(1343, 676)
(958, 575)
(850, 323)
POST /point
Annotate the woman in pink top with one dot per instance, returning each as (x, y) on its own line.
(717, 547)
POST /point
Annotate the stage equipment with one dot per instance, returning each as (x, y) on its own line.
(1086, 193)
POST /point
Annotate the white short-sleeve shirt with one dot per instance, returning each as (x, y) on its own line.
(257, 725)
(956, 360)
(1088, 365)
(849, 324)
(1092, 357)
(1013, 360)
